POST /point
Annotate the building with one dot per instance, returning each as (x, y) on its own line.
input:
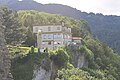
(76, 39)
(52, 36)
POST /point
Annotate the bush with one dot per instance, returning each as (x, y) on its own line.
(61, 58)
(88, 53)
(74, 74)
(32, 49)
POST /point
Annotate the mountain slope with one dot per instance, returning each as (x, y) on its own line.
(106, 28)
(101, 63)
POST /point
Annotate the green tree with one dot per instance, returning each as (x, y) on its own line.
(14, 33)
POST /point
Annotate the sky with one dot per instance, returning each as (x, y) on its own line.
(106, 7)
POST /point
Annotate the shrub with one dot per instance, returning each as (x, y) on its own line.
(88, 53)
(61, 58)
(32, 49)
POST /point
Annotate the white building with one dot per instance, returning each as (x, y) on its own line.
(52, 36)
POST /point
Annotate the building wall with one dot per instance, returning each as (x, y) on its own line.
(49, 28)
(52, 36)
(57, 39)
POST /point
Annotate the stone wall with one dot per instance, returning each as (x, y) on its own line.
(4, 56)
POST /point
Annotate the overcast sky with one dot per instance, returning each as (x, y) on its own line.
(106, 7)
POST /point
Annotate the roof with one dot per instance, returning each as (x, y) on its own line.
(76, 38)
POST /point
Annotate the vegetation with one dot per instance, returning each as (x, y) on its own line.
(23, 62)
(28, 19)
(104, 58)
(104, 27)
(77, 74)
(14, 34)
(17, 51)
(103, 62)
(99, 68)
(60, 58)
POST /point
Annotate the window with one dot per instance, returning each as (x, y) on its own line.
(49, 28)
(58, 28)
(49, 43)
(50, 36)
(55, 36)
(59, 36)
(44, 36)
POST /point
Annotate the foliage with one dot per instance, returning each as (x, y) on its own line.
(104, 57)
(61, 58)
(88, 53)
(14, 34)
(103, 62)
(22, 68)
(23, 63)
(17, 51)
(107, 63)
(75, 74)
(31, 18)
(104, 27)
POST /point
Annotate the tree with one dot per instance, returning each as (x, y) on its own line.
(14, 34)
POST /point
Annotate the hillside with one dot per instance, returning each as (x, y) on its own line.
(104, 27)
(98, 61)
(92, 60)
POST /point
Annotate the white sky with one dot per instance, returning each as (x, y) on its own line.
(106, 7)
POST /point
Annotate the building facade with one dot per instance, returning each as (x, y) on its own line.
(52, 36)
